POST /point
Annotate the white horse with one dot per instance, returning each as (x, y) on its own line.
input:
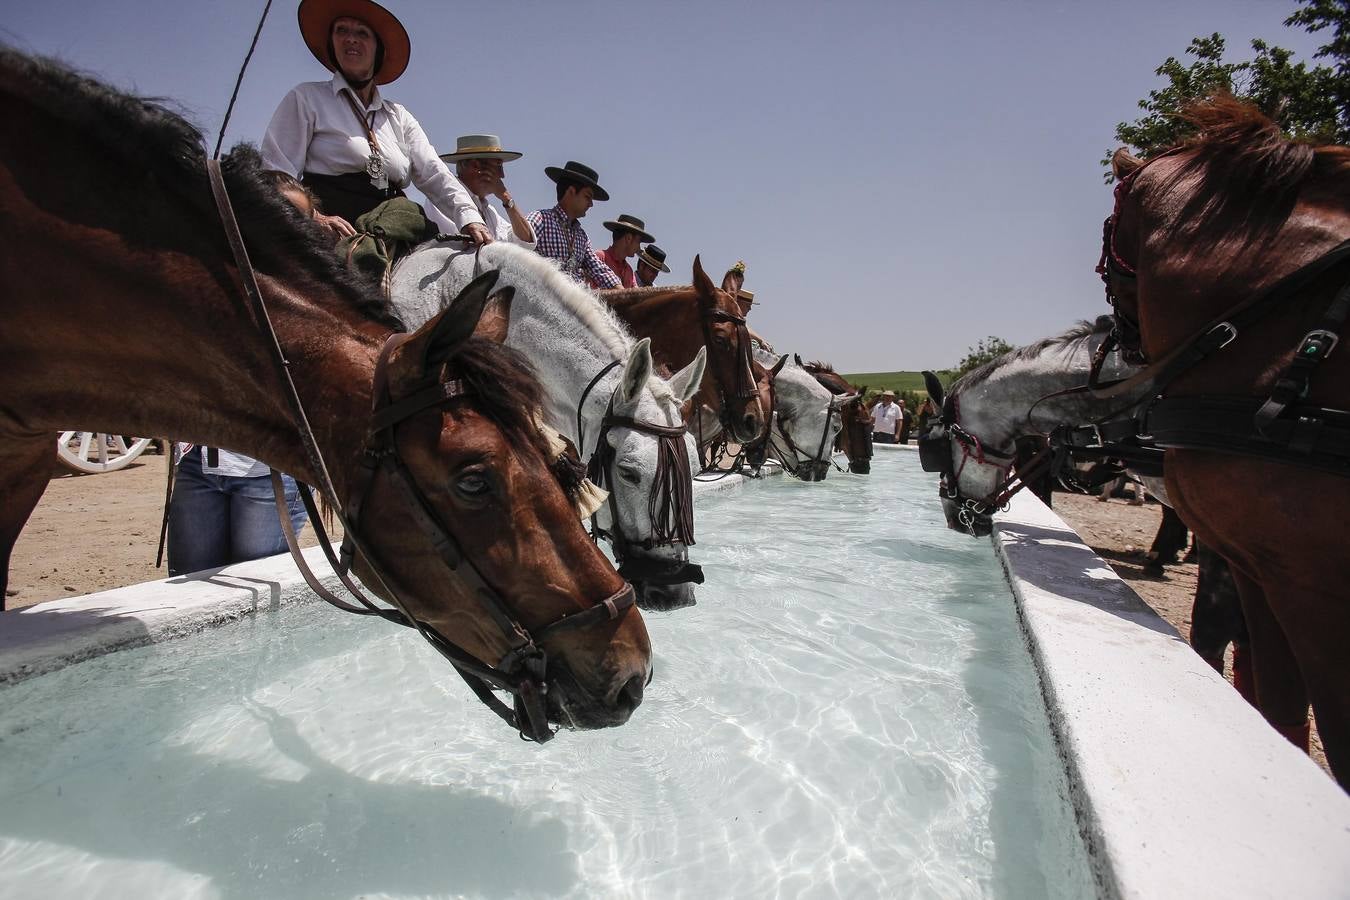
(806, 417)
(599, 384)
(1017, 394)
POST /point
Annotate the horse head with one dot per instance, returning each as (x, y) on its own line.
(855, 434)
(806, 419)
(647, 460)
(468, 486)
(731, 360)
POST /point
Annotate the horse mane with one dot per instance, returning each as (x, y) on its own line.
(1246, 169)
(817, 365)
(504, 387)
(160, 152)
(1080, 333)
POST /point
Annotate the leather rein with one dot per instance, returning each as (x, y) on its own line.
(744, 388)
(522, 671)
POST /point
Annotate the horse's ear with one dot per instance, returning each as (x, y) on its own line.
(1123, 163)
(797, 357)
(930, 381)
(729, 282)
(457, 323)
(702, 283)
(684, 383)
(778, 366)
(496, 319)
(637, 371)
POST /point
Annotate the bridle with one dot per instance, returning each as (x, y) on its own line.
(670, 502)
(936, 454)
(522, 670)
(745, 388)
(800, 458)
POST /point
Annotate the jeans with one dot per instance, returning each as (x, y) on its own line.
(215, 520)
(883, 437)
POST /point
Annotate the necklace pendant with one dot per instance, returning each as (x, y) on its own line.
(375, 169)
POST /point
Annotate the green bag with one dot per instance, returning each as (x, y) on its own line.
(383, 236)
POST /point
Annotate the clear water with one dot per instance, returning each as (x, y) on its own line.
(848, 712)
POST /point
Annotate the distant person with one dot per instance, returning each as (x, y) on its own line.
(629, 236)
(223, 511)
(746, 300)
(558, 234)
(480, 164)
(734, 279)
(651, 262)
(886, 419)
(906, 421)
(927, 413)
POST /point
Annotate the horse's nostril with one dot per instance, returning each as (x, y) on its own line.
(630, 695)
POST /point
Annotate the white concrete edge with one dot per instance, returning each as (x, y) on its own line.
(1179, 787)
(48, 636)
(912, 447)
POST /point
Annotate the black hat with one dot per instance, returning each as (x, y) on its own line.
(653, 256)
(575, 171)
(630, 223)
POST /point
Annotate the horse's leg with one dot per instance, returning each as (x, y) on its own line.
(1170, 540)
(1216, 620)
(1280, 692)
(25, 468)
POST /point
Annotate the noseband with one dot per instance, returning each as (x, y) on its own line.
(670, 505)
(522, 671)
(834, 409)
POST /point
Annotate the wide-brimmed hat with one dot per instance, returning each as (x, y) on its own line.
(630, 223)
(888, 393)
(479, 146)
(575, 171)
(653, 256)
(316, 25)
(747, 296)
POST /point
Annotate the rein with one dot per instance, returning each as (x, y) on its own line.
(745, 372)
(522, 671)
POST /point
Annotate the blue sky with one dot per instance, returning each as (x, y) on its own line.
(901, 178)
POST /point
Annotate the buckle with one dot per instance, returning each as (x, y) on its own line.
(1313, 342)
(1232, 333)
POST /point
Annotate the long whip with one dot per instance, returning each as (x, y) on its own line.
(240, 80)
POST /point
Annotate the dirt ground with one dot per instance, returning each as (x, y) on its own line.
(95, 532)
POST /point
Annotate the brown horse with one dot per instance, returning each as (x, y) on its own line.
(1196, 255)
(855, 438)
(123, 311)
(680, 320)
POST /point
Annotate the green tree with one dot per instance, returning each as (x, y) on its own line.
(990, 348)
(1309, 102)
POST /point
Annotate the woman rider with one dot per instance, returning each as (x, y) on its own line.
(342, 139)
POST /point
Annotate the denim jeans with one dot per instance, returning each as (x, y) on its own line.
(216, 520)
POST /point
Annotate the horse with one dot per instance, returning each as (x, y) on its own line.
(855, 436)
(124, 312)
(1225, 260)
(806, 417)
(600, 391)
(1035, 391)
(738, 399)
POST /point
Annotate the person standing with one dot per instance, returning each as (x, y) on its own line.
(629, 236)
(886, 420)
(906, 422)
(343, 139)
(651, 262)
(558, 234)
(480, 165)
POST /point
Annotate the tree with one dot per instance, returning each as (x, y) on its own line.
(1311, 103)
(990, 348)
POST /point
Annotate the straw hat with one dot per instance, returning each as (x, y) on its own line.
(316, 26)
(479, 146)
(630, 223)
(747, 296)
(653, 256)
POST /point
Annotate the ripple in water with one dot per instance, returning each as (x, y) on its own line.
(848, 711)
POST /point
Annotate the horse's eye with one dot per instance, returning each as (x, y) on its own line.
(473, 484)
(630, 475)
(722, 342)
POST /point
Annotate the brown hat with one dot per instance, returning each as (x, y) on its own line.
(654, 256)
(316, 27)
(580, 174)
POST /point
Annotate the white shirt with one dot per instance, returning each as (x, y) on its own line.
(315, 130)
(884, 417)
(498, 225)
(230, 463)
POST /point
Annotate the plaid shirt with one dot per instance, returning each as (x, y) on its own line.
(558, 237)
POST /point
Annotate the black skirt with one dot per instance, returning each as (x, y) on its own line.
(350, 195)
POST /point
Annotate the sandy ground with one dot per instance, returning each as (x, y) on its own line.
(94, 532)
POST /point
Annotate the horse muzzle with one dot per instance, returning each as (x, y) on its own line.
(860, 466)
(572, 706)
(662, 583)
(813, 470)
(965, 520)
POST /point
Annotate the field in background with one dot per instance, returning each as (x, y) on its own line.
(899, 382)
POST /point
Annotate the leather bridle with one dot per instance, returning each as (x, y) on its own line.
(522, 670)
(800, 458)
(744, 388)
(670, 502)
